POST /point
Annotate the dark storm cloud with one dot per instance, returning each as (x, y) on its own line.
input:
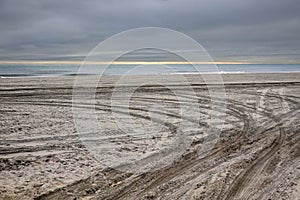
(229, 29)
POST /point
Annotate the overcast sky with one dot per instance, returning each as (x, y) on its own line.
(259, 31)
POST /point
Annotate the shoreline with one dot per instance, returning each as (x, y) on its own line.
(12, 76)
(191, 78)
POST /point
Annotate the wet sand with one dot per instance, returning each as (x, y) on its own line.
(257, 155)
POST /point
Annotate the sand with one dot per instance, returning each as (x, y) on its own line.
(256, 156)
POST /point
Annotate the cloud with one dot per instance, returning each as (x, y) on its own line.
(53, 29)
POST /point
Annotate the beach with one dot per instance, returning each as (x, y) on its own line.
(256, 154)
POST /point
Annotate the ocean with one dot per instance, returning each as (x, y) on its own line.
(9, 71)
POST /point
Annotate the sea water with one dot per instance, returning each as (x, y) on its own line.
(7, 71)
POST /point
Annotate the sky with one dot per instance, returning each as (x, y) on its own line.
(250, 31)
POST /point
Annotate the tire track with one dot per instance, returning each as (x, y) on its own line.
(239, 187)
(149, 181)
(170, 173)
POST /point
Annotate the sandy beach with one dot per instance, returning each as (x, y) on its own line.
(257, 154)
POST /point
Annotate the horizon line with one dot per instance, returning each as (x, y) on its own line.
(132, 62)
(118, 62)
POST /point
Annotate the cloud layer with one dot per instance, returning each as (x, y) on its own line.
(231, 30)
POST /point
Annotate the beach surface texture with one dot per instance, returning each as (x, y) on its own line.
(255, 156)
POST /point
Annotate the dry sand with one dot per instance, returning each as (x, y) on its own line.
(256, 157)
